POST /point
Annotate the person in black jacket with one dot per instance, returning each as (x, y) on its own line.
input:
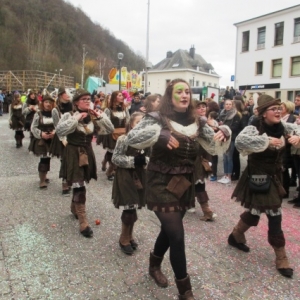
(244, 114)
(136, 104)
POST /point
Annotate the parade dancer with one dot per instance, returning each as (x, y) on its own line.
(42, 129)
(264, 143)
(119, 116)
(17, 119)
(202, 170)
(30, 107)
(129, 184)
(79, 163)
(174, 134)
(63, 105)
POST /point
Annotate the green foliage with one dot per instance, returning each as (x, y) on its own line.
(47, 35)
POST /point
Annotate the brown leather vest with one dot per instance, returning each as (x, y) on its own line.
(176, 161)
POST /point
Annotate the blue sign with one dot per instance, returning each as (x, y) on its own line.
(232, 78)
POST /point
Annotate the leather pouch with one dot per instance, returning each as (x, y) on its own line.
(259, 183)
(178, 186)
(118, 132)
(83, 159)
(137, 181)
(206, 165)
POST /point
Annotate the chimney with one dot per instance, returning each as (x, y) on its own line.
(192, 52)
(169, 54)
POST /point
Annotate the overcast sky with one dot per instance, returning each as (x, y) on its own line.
(178, 24)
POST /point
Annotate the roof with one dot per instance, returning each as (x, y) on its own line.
(181, 59)
(269, 14)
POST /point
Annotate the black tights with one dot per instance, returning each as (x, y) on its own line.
(172, 236)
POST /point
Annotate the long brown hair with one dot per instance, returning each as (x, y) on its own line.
(166, 106)
(113, 99)
(128, 126)
(16, 100)
(41, 104)
(149, 100)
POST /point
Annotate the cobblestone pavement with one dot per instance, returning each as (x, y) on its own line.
(43, 255)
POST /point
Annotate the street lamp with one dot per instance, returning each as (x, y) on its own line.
(83, 62)
(120, 57)
(58, 70)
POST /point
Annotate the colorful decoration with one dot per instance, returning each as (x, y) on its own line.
(129, 80)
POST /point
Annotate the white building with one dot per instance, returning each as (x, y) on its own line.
(268, 54)
(186, 65)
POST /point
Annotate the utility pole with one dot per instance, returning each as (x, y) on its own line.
(83, 62)
(147, 51)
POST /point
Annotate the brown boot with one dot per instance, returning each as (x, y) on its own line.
(73, 210)
(85, 229)
(124, 241)
(65, 189)
(282, 262)
(237, 238)
(43, 184)
(185, 289)
(155, 271)
(103, 164)
(110, 171)
(208, 214)
(133, 243)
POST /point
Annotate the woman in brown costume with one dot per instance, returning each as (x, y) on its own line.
(30, 107)
(79, 163)
(264, 143)
(119, 116)
(63, 105)
(17, 119)
(42, 129)
(174, 134)
(129, 184)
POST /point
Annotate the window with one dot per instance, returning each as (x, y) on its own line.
(276, 67)
(203, 83)
(245, 45)
(297, 30)
(290, 95)
(295, 69)
(259, 68)
(279, 34)
(278, 95)
(261, 37)
(197, 82)
(215, 85)
(209, 84)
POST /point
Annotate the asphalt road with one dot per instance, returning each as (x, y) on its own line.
(43, 255)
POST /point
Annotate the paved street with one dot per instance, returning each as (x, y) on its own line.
(43, 255)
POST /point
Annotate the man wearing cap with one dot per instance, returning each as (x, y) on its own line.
(260, 188)
(63, 105)
(79, 163)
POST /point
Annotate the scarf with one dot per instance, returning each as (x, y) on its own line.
(226, 115)
(181, 118)
(275, 130)
(65, 107)
(47, 114)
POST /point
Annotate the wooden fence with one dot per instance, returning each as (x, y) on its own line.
(22, 80)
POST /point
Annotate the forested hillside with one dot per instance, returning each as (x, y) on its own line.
(49, 34)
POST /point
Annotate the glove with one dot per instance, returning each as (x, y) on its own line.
(140, 160)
